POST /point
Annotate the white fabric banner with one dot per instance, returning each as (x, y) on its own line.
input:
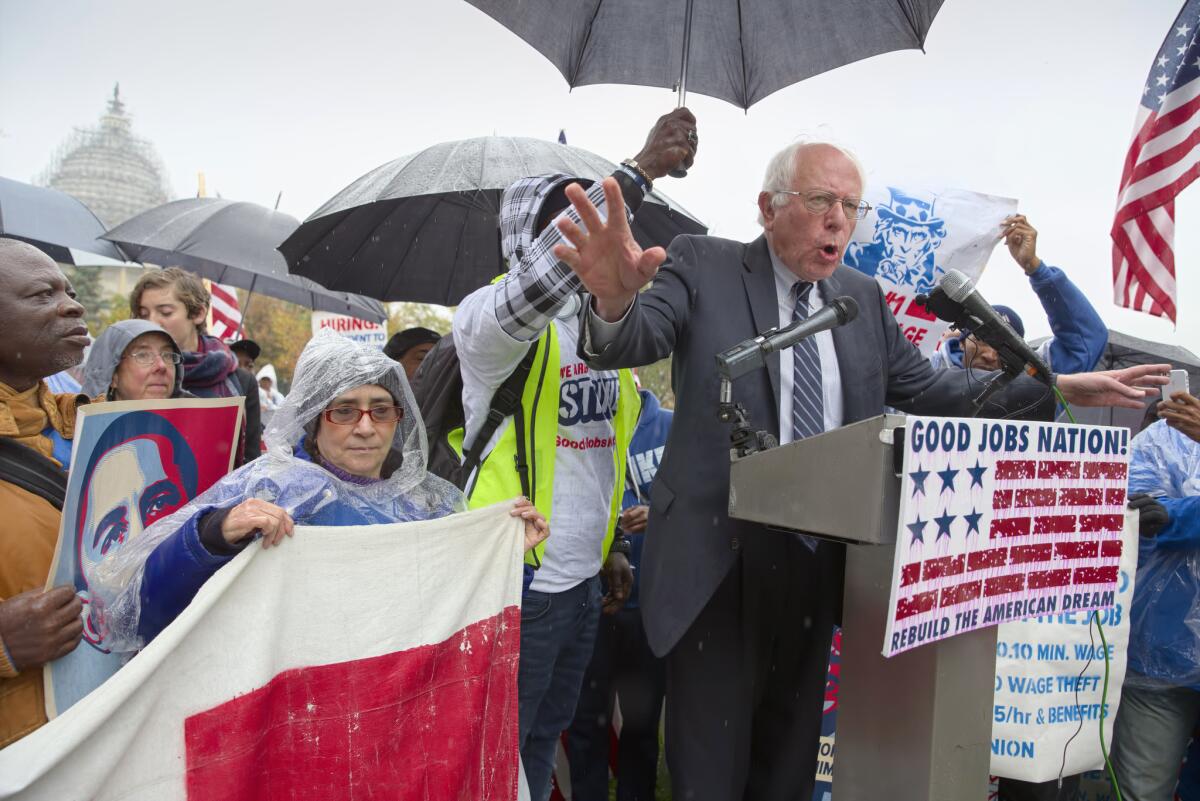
(913, 235)
(346, 662)
(1050, 683)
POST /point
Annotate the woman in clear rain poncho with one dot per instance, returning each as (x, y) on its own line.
(346, 448)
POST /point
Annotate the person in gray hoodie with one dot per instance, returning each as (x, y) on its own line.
(134, 360)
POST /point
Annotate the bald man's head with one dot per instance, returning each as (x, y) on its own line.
(44, 330)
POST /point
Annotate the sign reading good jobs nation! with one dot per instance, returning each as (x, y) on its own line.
(1001, 521)
(361, 331)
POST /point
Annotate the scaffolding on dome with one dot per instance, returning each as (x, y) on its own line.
(115, 172)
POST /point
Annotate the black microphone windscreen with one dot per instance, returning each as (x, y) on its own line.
(847, 308)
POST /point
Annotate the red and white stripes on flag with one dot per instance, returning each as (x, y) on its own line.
(1163, 159)
(352, 662)
(226, 314)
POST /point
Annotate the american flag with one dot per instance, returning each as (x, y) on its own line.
(226, 314)
(1163, 158)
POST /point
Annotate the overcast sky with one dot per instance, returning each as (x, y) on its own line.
(1032, 99)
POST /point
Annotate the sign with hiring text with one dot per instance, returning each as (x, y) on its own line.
(1001, 521)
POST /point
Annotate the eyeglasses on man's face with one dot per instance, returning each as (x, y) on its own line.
(818, 201)
(146, 357)
(350, 415)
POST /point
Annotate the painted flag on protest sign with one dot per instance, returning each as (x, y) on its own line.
(132, 463)
(347, 662)
(1000, 521)
(1050, 681)
(226, 322)
(1163, 158)
(912, 236)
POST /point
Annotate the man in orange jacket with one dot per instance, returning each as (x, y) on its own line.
(44, 333)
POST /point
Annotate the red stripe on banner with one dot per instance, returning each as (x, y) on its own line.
(1116, 470)
(1114, 496)
(1096, 575)
(961, 593)
(1058, 469)
(1001, 585)
(910, 574)
(1111, 548)
(1041, 579)
(982, 560)
(1002, 499)
(1160, 247)
(1022, 554)
(943, 566)
(1054, 524)
(1034, 497)
(1011, 527)
(918, 311)
(1076, 550)
(917, 604)
(1009, 469)
(1080, 496)
(1159, 197)
(435, 722)
(1093, 523)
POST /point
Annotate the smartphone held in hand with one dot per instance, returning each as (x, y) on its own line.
(1179, 383)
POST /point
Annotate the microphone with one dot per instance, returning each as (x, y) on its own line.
(752, 353)
(956, 299)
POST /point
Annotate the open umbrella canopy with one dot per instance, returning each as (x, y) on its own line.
(737, 52)
(425, 227)
(232, 242)
(60, 225)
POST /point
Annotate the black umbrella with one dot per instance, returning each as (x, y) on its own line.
(233, 243)
(425, 226)
(737, 52)
(54, 222)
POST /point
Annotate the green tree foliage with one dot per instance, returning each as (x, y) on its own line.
(281, 329)
(657, 378)
(414, 315)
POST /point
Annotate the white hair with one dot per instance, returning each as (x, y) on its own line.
(781, 170)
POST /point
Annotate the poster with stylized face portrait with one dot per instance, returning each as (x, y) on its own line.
(132, 463)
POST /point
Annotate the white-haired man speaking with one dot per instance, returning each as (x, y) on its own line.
(744, 614)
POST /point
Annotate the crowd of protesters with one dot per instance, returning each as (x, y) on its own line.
(638, 585)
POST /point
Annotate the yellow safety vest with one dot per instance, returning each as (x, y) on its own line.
(497, 478)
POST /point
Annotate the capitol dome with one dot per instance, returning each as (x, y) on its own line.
(114, 172)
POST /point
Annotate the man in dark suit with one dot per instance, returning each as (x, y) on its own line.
(744, 614)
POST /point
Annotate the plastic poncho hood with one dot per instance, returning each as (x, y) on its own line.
(106, 352)
(329, 366)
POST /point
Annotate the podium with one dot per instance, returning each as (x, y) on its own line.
(917, 726)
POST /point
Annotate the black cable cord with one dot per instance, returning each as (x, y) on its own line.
(1091, 655)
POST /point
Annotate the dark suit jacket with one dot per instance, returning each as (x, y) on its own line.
(709, 295)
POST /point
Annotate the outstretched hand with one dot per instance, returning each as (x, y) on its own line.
(605, 256)
(1127, 388)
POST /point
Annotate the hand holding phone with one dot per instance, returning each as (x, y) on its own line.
(1178, 383)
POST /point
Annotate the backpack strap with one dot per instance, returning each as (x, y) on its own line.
(32, 472)
(504, 403)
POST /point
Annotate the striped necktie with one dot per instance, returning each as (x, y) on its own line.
(808, 406)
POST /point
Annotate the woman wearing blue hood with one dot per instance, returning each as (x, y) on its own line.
(352, 412)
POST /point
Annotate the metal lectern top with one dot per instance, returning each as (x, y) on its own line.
(845, 482)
